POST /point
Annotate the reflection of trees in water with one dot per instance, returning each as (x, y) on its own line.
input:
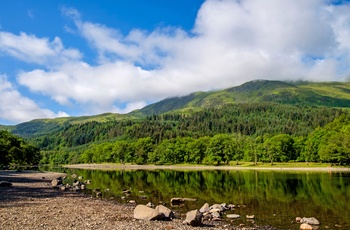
(265, 193)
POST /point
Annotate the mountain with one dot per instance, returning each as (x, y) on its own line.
(324, 94)
(328, 94)
(46, 126)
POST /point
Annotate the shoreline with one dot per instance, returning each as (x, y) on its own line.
(32, 203)
(203, 167)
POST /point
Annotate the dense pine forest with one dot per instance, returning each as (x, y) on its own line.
(260, 121)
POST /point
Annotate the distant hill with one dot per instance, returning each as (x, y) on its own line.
(327, 94)
(47, 126)
(324, 94)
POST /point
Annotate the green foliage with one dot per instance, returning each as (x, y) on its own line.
(14, 150)
(240, 123)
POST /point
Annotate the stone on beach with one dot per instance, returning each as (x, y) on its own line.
(142, 212)
(194, 218)
(168, 213)
(310, 220)
(204, 208)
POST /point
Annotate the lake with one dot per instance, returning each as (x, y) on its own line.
(274, 197)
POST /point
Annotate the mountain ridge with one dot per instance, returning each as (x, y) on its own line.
(326, 94)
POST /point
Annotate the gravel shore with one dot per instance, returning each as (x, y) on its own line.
(32, 203)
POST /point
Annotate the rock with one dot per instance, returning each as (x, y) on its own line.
(233, 216)
(63, 188)
(98, 194)
(56, 182)
(87, 182)
(225, 207)
(250, 216)
(215, 214)
(194, 218)
(126, 191)
(82, 187)
(150, 205)
(176, 201)
(168, 214)
(310, 220)
(142, 212)
(231, 206)
(217, 206)
(204, 208)
(215, 210)
(305, 227)
(132, 202)
(80, 177)
(189, 199)
(73, 176)
(297, 219)
(5, 184)
(76, 183)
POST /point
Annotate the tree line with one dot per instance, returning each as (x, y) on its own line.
(14, 150)
(327, 143)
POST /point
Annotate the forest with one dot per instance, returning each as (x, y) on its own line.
(16, 151)
(250, 132)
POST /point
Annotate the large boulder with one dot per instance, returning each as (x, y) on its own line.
(310, 220)
(194, 218)
(168, 214)
(142, 212)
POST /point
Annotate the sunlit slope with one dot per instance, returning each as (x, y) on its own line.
(332, 94)
(45, 126)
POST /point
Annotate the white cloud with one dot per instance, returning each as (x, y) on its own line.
(232, 42)
(31, 49)
(16, 108)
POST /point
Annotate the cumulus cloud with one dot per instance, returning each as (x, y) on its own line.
(16, 108)
(231, 42)
(32, 49)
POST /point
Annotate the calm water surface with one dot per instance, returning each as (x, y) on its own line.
(275, 198)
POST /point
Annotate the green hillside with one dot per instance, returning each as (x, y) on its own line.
(324, 94)
(48, 126)
(256, 121)
(330, 94)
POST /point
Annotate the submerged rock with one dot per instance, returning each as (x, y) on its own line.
(305, 227)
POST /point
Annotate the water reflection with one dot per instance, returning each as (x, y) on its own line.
(275, 198)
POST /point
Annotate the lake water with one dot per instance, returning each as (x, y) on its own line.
(274, 197)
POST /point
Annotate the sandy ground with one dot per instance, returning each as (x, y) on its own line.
(32, 203)
(201, 167)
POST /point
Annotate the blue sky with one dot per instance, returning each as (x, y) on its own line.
(73, 58)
